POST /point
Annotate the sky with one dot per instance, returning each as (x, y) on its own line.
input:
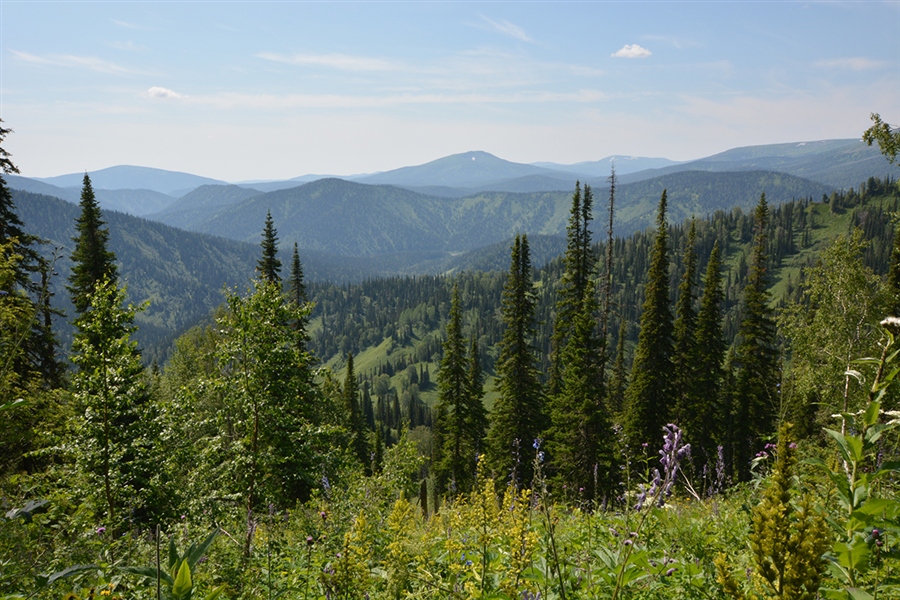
(272, 90)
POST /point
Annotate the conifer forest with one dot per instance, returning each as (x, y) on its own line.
(701, 410)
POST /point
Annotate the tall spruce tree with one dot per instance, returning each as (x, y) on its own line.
(702, 411)
(578, 439)
(684, 356)
(92, 261)
(34, 355)
(649, 398)
(354, 415)
(268, 265)
(756, 399)
(478, 419)
(618, 381)
(297, 295)
(518, 416)
(456, 467)
(578, 266)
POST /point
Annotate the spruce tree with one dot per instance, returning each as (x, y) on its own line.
(684, 357)
(355, 417)
(35, 354)
(478, 419)
(457, 455)
(297, 295)
(92, 261)
(268, 265)
(756, 400)
(618, 381)
(578, 265)
(703, 418)
(518, 416)
(578, 439)
(649, 398)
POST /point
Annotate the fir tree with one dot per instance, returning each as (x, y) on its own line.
(478, 419)
(756, 401)
(648, 400)
(684, 357)
(618, 381)
(702, 411)
(518, 416)
(578, 264)
(92, 262)
(354, 414)
(269, 266)
(457, 454)
(578, 437)
(297, 295)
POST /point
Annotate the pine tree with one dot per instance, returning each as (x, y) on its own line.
(756, 401)
(92, 261)
(269, 266)
(702, 414)
(457, 454)
(649, 398)
(478, 419)
(518, 416)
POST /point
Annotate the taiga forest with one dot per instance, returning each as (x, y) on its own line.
(640, 390)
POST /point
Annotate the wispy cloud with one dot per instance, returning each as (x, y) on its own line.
(161, 92)
(507, 28)
(853, 63)
(313, 101)
(671, 40)
(342, 62)
(70, 61)
(126, 24)
(631, 51)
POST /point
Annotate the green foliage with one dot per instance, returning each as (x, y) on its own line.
(649, 397)
(114, 431)
(92, 260)
(268, 266)
(518, 415)
(174, 578)
(888, 139)
(756, 399)
(787, 540)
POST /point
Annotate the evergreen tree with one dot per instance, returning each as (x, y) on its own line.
(649, 398)
(114, 420)
(618, 382)
(297, 295)
(478, 419)
(34, 357)
(92, 261)
(702, 412)
(578, 265)
(684, 357)
(354, 415)
(518, 416)
(457, 454)
(269, 266)
(756, 400)
(578, 439)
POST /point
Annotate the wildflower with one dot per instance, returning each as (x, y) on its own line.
(670, 572)
(183, 517)
(101, 530)
(537, 443)
(323, 515)
(627, 542)
(309, 540)
(892, 324)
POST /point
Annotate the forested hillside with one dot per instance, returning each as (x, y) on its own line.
(473, 434)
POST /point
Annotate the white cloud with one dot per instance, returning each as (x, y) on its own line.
(161, 92)
(631, 51)
(507, 28)
(67, 60)
(853, 63)
(341, 62)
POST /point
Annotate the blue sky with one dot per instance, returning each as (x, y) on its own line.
(272, 90)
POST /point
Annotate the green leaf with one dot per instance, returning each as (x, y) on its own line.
(219, 590)
(183, 586)
(853, 555)
(842, 443)
(67, 573)
(195, 554)
(173, 556)
(870, 417)
(149, 572)
(858, 594)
